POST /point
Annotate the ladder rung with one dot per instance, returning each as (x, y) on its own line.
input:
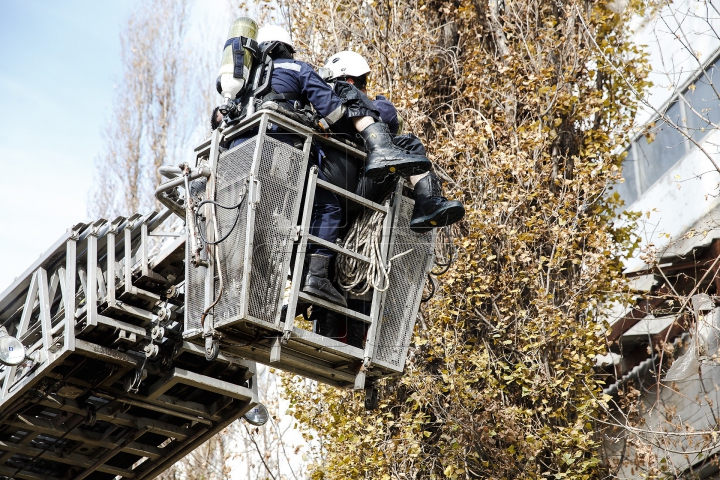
(351, 196)
(337, 248)
(335, 308)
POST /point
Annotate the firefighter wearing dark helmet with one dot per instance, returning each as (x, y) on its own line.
(431, 208)
(294, 82)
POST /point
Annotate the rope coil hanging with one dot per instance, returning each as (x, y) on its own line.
(364, 237)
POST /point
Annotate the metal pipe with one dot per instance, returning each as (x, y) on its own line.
(170, 172)
(202, 171)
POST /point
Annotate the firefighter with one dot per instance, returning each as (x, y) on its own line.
(431, 208)
(297, 82)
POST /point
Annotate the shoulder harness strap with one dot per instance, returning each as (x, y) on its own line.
(239, 44)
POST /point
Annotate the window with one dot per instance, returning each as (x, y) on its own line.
(628, 190)
(703, 98)
(651, 155)
(660, 148)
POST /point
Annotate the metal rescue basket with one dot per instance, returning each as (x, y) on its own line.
(235, 293)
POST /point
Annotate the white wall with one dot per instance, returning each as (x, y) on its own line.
(681, 40)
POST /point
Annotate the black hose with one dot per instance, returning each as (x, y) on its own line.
(432, 292)
(212, 202)
(446, 267)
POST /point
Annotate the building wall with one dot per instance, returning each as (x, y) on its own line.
(667, 177)
(676, 187)
(674, 423)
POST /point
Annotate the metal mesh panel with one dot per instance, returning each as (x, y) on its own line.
(195, 277)
(407, 278)
(281, 171)
(232, 184)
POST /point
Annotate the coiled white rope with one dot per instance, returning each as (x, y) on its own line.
(364, 237)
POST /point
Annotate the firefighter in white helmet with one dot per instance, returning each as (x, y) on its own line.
(297, 81)
(293, 83)
(431, 208)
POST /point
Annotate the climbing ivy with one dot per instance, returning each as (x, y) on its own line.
(525, 106)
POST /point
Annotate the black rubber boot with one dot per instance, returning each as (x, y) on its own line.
(355, 333)
(385, 158)
(431, 208)
(325, 323)
(316, 281)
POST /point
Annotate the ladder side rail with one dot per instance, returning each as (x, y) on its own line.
(55, 255)
(210, 225)
(300, 253)
(378, 298)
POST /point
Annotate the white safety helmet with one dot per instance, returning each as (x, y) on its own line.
(273, 33)
(347, 64)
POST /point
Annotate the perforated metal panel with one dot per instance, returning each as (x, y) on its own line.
(232, 187)
(281, 173)
(402, 300)
(195, 277)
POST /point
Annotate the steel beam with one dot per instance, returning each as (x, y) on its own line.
(46, 427)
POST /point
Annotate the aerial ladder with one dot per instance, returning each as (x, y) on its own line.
(132, 341)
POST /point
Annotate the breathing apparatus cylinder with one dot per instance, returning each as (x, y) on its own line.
(236, 62)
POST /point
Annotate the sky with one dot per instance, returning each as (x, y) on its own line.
(59, 62)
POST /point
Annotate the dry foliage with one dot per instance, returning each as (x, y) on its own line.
(522, 108)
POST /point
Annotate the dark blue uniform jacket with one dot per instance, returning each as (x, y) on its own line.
(298, 78)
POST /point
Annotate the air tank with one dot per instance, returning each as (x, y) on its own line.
(229, 84)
